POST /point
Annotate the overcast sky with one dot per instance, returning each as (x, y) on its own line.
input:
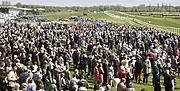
(95, 2)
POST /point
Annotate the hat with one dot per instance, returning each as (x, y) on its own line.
(45, 62)
(155, 40)
(168, 65)
(24, 85)
(123, 80)
(15, 56)
(34, 69)
(25, 68)
(130, 84)
(108, 87)
(18, 65)
(23, 50)
(76, 71)
(17, 60)
(54, 81)
(41, 50)
(85, 55)
(99, 61)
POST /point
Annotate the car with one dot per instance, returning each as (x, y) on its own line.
(24, 17)
(64, 20)
(74, 17)
(41, 19)
(16, 20)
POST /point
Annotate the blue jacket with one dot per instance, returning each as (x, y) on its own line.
(31, 87)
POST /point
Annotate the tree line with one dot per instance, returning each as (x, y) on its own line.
(140, 8)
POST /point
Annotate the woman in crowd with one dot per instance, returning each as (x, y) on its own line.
(101, 73)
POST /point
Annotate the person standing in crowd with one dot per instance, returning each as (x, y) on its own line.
(178, 66)
(121, 71)
(128, 79)
(52, 86)
(105, 68)
(121, 85)
(12, 78)
(76, 59)
(3, 82)
(90, 66)
(83, 84)
(101, 74)
(168, 80)
(23, 76)
(146, 69)
(96, 76)
(138, 70)
(156, 80)
(129, 88)
(24, 87)
(31, 86)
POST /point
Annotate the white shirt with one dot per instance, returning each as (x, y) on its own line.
(75, 79)
(125, 63)
(82, 89)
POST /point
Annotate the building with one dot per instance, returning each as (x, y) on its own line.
(6, 3)
(12, 10)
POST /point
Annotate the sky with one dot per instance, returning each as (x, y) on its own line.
(95, 2)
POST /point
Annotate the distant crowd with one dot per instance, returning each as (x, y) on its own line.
(60, 57)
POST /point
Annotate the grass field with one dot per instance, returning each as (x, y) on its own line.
(162, 21)
(100, 16)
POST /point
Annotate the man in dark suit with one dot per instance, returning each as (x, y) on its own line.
(105, 68)
(156, 80)
(90, 66)
(76, 59)
(168, 81)
(2, 76)
(138, 69)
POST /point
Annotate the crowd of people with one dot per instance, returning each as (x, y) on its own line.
(60, 57)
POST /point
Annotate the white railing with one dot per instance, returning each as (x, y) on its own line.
(135, 21)
(164, 28)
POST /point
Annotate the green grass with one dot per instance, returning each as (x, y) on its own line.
(167, 22)
(119, 14)
(60, 15)
(101, 16)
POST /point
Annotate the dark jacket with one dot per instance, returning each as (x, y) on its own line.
(156, 79)
(167, 80)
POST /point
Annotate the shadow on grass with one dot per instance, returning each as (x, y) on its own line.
(71, 69)
(177, 88)
(143, 84)
(147, 84)
(90, 88)
(90, 81)
(162, 82)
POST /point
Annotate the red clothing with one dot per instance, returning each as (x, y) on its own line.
(100, 74)
(121, 72)
(96, 73)
(151, 54)
(178, 52)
